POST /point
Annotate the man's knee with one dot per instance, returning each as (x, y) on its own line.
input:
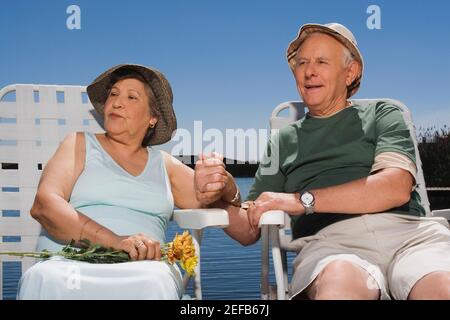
(343, 280)
(435, 286)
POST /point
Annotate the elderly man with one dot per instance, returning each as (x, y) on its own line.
(346, 176)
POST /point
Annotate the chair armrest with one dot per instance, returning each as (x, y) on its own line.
(441, 213)
(272, 217)
(197, 220)
(201, 218)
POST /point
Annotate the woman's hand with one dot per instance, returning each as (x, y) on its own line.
(139, 247)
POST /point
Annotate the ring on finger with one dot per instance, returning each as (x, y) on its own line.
(138, 244)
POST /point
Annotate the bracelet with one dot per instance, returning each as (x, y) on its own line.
(236, 201)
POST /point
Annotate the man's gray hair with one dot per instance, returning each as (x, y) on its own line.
(348, 56)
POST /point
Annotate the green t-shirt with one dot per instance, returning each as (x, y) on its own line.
(315, 153)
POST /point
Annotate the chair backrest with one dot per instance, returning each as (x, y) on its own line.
(34, 119)
(296, 110)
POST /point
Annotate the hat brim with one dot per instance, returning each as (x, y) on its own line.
(165, 128)
(310, 28)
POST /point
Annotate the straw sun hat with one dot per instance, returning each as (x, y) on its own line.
(98, 92)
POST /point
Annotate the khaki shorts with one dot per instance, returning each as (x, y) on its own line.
(396, 250)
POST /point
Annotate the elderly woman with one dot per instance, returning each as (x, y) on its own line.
(114, 189)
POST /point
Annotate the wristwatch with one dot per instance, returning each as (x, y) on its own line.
(307, 201)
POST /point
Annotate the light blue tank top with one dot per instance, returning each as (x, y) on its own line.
(124, 203)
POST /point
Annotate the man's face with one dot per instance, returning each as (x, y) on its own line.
(320, 72)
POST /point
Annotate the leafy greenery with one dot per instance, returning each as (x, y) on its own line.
(180, 250)
(434, 148)
(92, 253)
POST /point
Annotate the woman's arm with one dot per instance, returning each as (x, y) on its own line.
(208, 185)
(51, 207)
(182, 182)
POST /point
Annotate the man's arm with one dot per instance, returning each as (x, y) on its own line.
(388, 188)
(384, 190)
(239, 228)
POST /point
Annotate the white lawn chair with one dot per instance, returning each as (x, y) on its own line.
(34, 119)
(275, 224)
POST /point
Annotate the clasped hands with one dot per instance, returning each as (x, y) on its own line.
(211, 183)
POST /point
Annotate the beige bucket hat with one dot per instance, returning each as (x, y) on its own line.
(167, 122)
(336, 30)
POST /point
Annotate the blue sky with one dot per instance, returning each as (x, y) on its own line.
(226, 59)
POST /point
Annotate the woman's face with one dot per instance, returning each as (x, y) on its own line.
(127, 111)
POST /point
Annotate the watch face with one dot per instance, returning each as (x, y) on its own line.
(307, 198)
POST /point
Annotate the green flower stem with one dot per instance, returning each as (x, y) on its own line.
(43, 254)
(93, 253)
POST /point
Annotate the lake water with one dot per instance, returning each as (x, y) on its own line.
(228, 270)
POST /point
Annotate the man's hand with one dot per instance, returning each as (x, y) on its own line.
(210, 178)
(288, 202)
